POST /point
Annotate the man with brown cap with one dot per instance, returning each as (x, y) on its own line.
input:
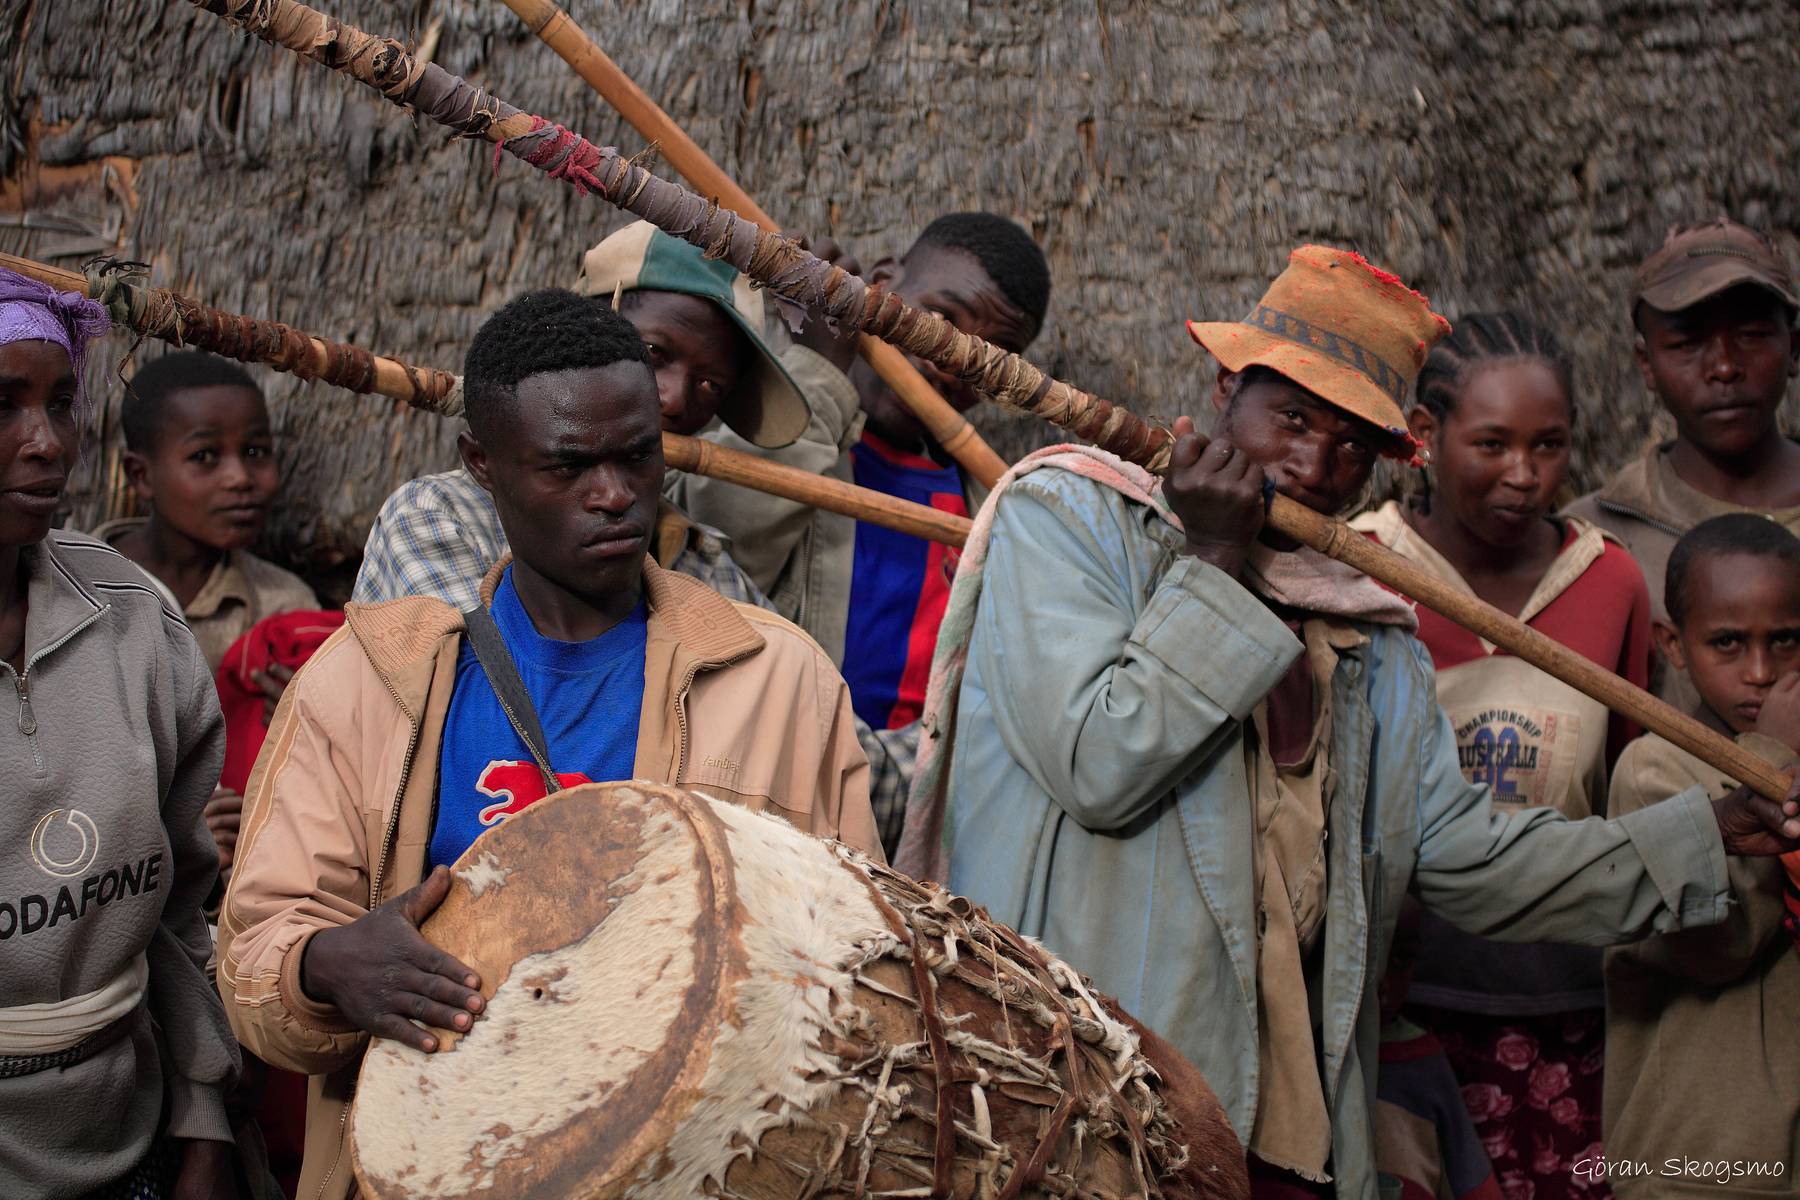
(1206, 765)
(1717, 343)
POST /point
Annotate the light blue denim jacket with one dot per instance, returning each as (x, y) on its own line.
(1098, 801)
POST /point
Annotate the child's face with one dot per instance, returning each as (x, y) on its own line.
(1721, 367)
(1741, 632)
(211, 475)
(1502, 451)
(698, 355)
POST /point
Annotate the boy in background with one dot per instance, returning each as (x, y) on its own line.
(200, 453)
(1717, 343)
(1689, 1010)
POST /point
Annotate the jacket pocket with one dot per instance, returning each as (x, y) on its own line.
(1374, 896)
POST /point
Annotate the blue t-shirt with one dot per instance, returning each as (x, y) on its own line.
(588, 695)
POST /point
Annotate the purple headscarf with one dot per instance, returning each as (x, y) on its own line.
(30, 310)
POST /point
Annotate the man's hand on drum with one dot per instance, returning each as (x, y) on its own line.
(386, 978)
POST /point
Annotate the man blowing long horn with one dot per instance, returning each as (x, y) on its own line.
(1206, 767)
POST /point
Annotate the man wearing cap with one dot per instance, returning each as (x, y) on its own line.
(1205, 765)
(702, 325)
(1717, 343)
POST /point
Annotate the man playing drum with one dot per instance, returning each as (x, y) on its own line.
(416, 726)
(1206, 767)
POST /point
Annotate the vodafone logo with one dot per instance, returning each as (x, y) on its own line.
(64, 843)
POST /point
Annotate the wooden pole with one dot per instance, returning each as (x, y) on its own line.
(779, 263)
(427, 389)
(558, 30)
(184, 321)
(700, 457)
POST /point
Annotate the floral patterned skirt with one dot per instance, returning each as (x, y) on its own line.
(1532, 1087)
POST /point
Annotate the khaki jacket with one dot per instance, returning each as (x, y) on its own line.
(242, 590)
(1703, 1026)
(338, 813)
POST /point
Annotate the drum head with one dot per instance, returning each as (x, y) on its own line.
(604, 979)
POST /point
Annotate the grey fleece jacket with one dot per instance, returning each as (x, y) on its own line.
(110, 745)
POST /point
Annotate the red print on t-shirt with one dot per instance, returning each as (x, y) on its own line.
(517, 786)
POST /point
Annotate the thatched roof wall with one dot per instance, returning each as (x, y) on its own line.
(1493, 152)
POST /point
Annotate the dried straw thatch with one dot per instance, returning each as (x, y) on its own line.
(1495, 152)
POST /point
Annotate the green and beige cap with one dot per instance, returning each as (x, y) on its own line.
(773, 412)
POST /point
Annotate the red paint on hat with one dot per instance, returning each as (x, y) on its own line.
(1390, 278)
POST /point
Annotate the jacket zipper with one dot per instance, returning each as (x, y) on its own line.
(681, 725)
(387, 848)
(28, 725)
(27, 718)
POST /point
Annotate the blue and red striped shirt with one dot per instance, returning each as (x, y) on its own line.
(899, 587)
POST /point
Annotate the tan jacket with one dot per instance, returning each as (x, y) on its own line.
(338, 813)
(1703, 1026)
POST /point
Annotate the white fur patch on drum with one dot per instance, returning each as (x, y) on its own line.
(484, 873)
(807, 921)
(439, 1124)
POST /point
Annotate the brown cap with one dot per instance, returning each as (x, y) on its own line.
(1700, 261)
(1347, 331)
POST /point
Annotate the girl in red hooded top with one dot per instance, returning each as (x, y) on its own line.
(1523, 1025)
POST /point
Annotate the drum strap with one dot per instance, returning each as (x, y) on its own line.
(503, 676)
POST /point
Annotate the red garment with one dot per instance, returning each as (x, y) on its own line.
(1272, 1183)
(1532, 1087)
(287, 639)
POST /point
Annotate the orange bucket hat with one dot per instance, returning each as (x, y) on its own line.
(1343, 329)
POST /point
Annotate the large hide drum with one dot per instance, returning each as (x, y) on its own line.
(686, 998)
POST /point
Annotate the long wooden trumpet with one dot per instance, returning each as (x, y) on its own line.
(186, 322)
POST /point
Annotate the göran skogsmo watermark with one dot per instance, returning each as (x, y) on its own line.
(1596, 1168)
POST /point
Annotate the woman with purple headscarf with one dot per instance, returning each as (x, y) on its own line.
(114, 1050)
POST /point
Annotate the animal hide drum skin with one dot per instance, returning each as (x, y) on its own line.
(686, 998)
